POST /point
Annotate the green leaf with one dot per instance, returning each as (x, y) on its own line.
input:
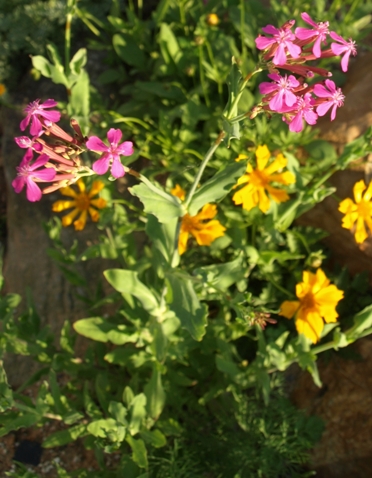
(79, 99)
(227, 366)
(154, 438)
(139, 452)
(6, 394)
(94, 328)
(129, 51)
(163, 237)
(101, 428)
(119, 412)
(157, 202)
(65, 436)
(137, 413)
(184, 302)
(78, 61)
(155, 394)
(232, 130)
(222, 276)
(169, 47)
(127, 282)
(362, 321)
(356, 149)
(25, 420)
(218, 186)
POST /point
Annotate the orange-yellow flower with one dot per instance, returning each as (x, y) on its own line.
(2, 89)
(358, 212)
(317, 301)
(213, 20)
(82, 203)
(201, 226)
(259, 181)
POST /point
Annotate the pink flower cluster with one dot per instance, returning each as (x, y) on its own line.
(289, 95)
(59, 159)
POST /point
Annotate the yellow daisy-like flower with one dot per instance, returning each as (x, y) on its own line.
(317, 301)
(201, 226)
(358, 212)
(259, 181)
(213, 20)
(82, 203)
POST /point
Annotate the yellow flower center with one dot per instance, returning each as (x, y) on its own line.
(259, 179)
(364, 208)
(308, 302)
(82, 202)
(190, 223)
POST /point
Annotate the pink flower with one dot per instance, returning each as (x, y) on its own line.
(320, 31)
(26, 142)
(345, 47)
(283, 87)
(333, 95)
(302, 111)
(27, 174)
(34, 110)
(110, 153)
(281, 42)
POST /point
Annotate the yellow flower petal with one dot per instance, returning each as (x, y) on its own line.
(262, 155)
(97, 186)
(368, 194)
(80, 223)
(358, 189)
(67, 220)
(68, 191)
(283, 178)
(347, 206)
(211, 231)
(310, 324)
(241, 157)
(264, 201)
(360, 232)
(179, 192)
(279, 195)
(182, 242)
(279, 162)
(61, 205)
(94, 214)
(81, 185)
(100, 203)
(208, 212)
(289, 308)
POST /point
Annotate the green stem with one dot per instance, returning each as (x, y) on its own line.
(242, 88)
(242, 21)
(203, 165)
(69, 16)
(202, 77)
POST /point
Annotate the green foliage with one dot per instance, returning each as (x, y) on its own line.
(180, 375)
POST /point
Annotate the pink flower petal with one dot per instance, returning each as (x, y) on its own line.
(50, 103)
(323, 108)
(101, 165)
(345, 61)
(53, 116)
(280, 57)
(18, 184)
(114, 135)
(262, 43)
(47, 174)
(271, 30)
(24, 123)
(296, 125)
(96, 144)
(36, 126)
(41, 160)
(33, 192)
(117, 169)
(125, 148)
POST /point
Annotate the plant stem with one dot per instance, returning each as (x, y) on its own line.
(203, 165)
(69, 16)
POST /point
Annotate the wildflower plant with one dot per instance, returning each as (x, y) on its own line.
(192, 332)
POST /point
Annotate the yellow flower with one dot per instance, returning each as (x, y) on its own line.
(200, 226)
(358, 212)
(213, 20)
(2, 89)
(179, 192)
(259, 179)
(82, 203)
(317, 301)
